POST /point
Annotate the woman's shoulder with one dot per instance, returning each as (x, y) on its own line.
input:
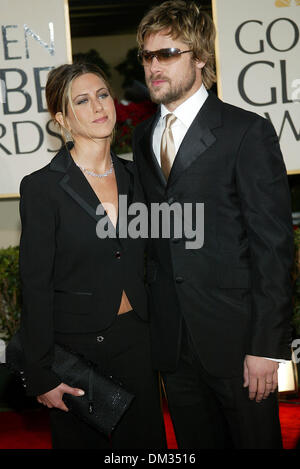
(44, 177)
(35, 179)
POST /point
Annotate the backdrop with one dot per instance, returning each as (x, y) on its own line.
(258, 64)
(35, 37)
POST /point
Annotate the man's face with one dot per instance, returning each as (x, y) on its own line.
(171, 83)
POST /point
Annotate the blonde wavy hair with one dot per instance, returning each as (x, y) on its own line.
(187, 22)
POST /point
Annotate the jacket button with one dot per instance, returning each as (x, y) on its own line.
(100, 338)
(179, 279)
(118, 255)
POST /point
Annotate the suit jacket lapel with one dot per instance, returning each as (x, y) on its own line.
(147, 149)
(77, 186)
(125, 181)
(198, 138)
(74, 182)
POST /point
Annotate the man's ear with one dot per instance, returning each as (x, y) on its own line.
(200, 64)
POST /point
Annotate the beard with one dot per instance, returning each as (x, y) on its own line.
(175, 91)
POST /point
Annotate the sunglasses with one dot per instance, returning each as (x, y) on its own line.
(164, 56)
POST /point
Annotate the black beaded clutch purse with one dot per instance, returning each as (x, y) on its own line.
(104, 402)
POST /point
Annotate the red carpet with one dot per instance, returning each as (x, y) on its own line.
(30, 429)
(24, 430)
(290, 424)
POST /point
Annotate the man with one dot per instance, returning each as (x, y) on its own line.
(221, 312)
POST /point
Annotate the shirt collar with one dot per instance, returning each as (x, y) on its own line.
(188, 110)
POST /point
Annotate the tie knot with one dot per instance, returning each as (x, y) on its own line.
(170, 119)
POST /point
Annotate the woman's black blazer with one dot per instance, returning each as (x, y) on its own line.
(72, 280)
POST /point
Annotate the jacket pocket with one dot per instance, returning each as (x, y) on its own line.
(73, 302)
(234, 284)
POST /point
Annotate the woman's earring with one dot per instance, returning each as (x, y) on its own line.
(69, 136)
(66, 134)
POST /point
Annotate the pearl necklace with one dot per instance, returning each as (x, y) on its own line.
(91, 173)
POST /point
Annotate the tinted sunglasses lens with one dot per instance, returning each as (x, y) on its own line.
(162, 55)
(166, 55)
(141, 57)
(146, 57)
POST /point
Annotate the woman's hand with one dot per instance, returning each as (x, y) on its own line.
(53, 398)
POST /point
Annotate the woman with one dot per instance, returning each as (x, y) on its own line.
(79, 290)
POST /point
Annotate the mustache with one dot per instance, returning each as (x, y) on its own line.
(157, 77)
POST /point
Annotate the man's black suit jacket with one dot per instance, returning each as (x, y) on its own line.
(72, 280)
(235, 292)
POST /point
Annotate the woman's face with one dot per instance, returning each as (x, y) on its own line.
(92, 114)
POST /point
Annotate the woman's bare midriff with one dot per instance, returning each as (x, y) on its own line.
(107, 193)
(125, 305)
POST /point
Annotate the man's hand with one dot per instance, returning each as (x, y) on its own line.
(53, 398)
(261, 376)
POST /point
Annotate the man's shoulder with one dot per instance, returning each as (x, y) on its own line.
(142, 126)
(239, 121)
(233, 113)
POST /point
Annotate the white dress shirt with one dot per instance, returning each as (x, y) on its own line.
(185, 114)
